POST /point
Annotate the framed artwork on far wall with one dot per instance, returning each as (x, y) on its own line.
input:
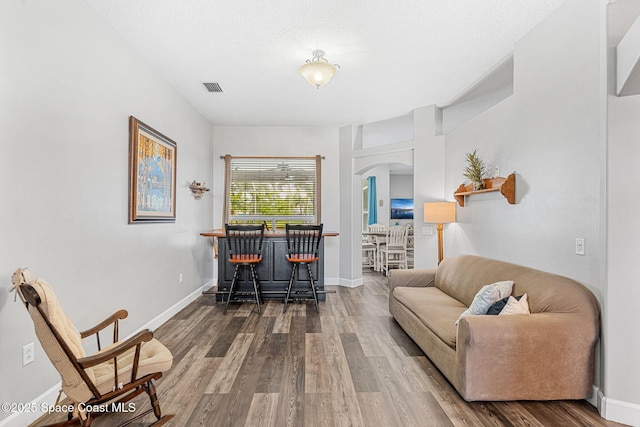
(152, 175)
(401, 208)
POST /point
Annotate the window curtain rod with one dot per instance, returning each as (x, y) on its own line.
(270, 157)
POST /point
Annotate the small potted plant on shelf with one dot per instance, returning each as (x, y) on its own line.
(475, 169)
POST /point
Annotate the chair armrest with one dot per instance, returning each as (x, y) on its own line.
(121, 347)
(416, 278)
(120, 314)
(513, 355)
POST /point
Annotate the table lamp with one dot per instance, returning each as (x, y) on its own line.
(440, 213)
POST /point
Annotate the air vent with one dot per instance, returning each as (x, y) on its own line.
(213, 87)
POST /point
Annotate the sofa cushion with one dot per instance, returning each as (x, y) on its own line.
(435, 309)
(154, 357)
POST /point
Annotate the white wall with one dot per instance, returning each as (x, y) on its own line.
(622, 343)
(488, 90)
(553, 132)
(401, 186)
(349, 139)
(428, 182)
(287, 141)
(68, 87)
(390, 131)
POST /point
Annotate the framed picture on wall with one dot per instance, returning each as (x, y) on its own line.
(152, 175)
(401, 208)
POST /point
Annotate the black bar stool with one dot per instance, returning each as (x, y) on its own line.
(245, 250)
(303, 242)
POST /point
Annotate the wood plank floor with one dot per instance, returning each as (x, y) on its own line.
(351, 365)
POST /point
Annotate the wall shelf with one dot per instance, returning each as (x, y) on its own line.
(506, 186)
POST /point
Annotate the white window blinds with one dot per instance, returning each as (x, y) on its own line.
(271, 189)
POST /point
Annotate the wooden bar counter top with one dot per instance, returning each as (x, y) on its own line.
(219, 232)
(274, 271)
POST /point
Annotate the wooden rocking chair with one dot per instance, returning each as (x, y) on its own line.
(105, 380)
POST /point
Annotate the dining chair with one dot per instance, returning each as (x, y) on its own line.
(378, 239)
(368, 253)
(303, 243)
(394, 250)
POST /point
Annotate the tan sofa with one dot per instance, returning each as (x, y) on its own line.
(546, 355)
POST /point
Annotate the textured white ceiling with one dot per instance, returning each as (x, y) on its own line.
(395, 55)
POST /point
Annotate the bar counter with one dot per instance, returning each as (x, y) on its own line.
(274, 271)
(280, 233)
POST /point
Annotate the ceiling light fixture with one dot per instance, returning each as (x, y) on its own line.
(317, 71)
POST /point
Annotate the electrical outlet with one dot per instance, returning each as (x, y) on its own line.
(180, 278)
(580, 246)
(496, 170)
(28, 355)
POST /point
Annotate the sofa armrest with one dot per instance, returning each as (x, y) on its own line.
(509, 356)
(413, 278)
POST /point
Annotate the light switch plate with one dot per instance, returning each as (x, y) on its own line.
(580, 246)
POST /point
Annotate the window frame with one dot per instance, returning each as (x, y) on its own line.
(226, 205)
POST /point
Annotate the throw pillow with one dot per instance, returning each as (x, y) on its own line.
(497, 307)
(516, 307)
(486, 296)
(504, 288)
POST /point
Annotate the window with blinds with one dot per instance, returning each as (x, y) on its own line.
(275, 190)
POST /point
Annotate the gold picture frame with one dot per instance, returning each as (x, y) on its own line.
(152, 174)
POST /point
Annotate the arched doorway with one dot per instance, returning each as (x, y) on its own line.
(390, 182)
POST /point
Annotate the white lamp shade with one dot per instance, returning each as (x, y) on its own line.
(317, 73)
(440, 212)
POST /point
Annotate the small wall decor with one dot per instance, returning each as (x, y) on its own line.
(152, 174)
(198, 189)
(506, 187)
(475, 169)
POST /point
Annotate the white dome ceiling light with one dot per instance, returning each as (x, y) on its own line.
(317, 71)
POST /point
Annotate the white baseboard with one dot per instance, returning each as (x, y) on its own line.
(174, 309)
(331, 281)
(619, 411)
(48, 398)
(595, 397)
(20, 419)
(348, 283)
